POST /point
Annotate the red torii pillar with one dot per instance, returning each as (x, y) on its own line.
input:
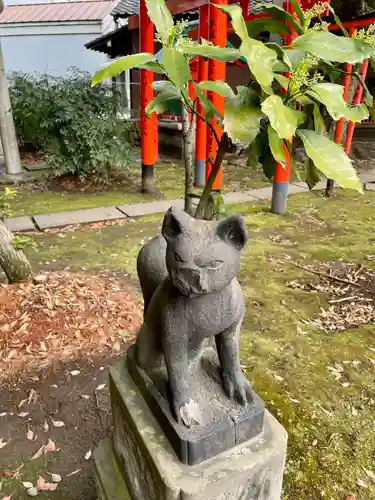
(282, 171)
(201, 127)
(149, 126)
(218, 26)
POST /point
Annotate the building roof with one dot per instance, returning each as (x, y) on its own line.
(126, 8)
(86, 10)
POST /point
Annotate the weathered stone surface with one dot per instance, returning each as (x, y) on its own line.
(239, 197)
(139, 209)
(152, 471)
(109, 480)
(195, 297)
(18, 224)
(226, 422)
(302, 185)
(262, 193)
(77, 217)
(370, 186)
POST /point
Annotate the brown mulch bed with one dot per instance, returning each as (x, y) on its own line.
(64, 316)
(351, 291)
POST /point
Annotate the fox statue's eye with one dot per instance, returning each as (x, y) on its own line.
(213, 265)
(178, 258)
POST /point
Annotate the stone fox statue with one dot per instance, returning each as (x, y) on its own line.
(188, 279)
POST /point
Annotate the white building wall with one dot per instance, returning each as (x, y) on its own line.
(52, 54)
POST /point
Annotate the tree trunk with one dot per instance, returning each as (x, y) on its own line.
(7, 128)
(187, 137)
(14, 262)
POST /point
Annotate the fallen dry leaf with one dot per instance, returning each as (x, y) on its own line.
(56, 478)
(51, 446)
(3, 414)
(88, 455)
(30, 435)
(86, 317)
(45, 426)
(2, 443)
(32, 492)
(23, 414)
(101, 387)
(43, 485)
(58, 423)
(73, 473)
(361, 483)
(27, 484)
(117, 346)
(74, 373)
(370, 474)
(39, 453)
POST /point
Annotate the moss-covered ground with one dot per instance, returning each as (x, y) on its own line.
(331, 427)
(47, 197)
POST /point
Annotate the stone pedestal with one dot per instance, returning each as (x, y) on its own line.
(138, 463)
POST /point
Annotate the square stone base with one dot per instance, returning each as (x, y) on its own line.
(140, 464)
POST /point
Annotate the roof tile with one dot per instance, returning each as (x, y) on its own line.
(84, 10)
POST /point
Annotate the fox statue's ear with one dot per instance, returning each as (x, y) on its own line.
(174, 223)
(233, 231)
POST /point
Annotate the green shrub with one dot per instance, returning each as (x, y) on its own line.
(76, 125)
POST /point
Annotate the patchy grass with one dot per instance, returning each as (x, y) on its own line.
(169, 182)
(330, 425)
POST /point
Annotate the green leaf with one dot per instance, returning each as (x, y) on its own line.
(279, 13)
(274, 26)
(357, 113)
(209, 109)
(283, 80)
(312, 174)
(167, 96)
(260, 60)
(330, 47)
(242, 116)
(161, 18)
(212, 52)
(332, 96)
(294, 56)
(320, 127)
(297, 9)
(276, 146)
(116, 67)
(338, 21)
(330, 159)
(281, 54)
(238, 22)
(161, 85)
(176, 67)
(282, 118)
(268, 165)
(218, 86)
(153, 66)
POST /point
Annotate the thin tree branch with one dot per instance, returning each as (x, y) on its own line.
(208, 123)
(222, 149)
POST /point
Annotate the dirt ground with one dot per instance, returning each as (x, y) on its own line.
(80, 403)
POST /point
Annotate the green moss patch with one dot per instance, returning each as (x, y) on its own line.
(320, 385)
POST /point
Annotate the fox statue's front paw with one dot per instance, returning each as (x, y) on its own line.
(238, 387)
